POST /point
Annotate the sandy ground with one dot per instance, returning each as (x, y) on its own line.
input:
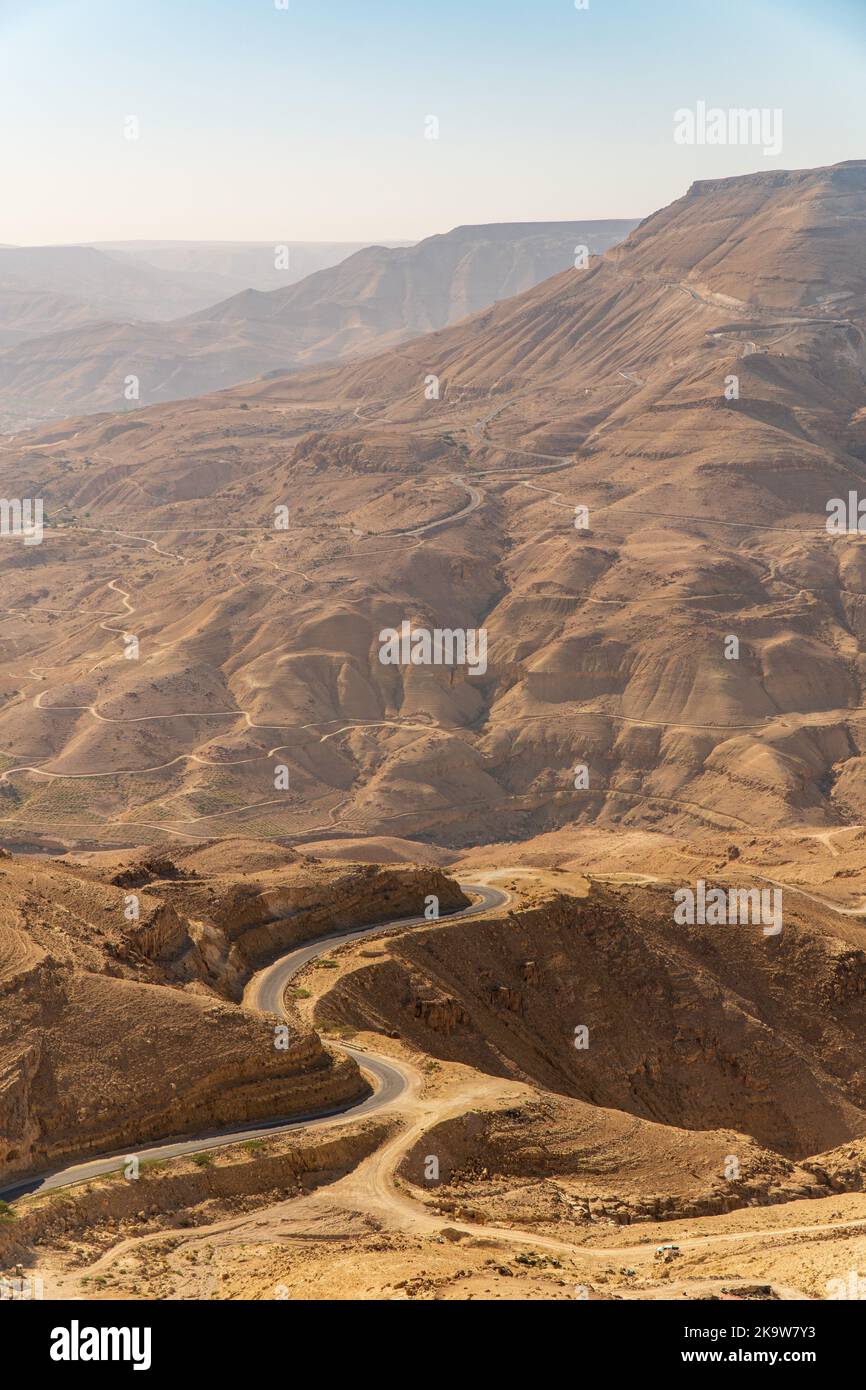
(367, 1236)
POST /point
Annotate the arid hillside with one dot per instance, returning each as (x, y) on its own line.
(373, 298)
(380, 296)
(621, 478)
(49, 290)
(120, 983)
(699, 1028)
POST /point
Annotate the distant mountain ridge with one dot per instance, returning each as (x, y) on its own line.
(698, 393)
(47, 289)
(377, 297)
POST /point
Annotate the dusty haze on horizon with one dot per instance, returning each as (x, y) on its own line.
(255, 124)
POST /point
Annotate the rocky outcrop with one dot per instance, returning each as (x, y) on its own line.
(505, 997)
(606, 999)
(253, 1173)
(119, 1023)
(848, 978)
(157, 934)
(251, 923)
(113, 1064)
(149, 869)
(442, 1014)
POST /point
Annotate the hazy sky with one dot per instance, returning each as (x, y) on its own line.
(309, 123)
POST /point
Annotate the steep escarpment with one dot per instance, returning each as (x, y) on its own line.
(92, 1063)
(795, 236)
(252, 922)
(607, 1000)
(241, 1177)
(118, 982)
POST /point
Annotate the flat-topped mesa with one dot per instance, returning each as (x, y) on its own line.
(782, 239)
(847, 172)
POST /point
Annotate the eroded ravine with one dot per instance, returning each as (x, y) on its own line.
(264, 994)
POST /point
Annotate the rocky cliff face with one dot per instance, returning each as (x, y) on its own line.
(252, 922)
(118, 1020)
(698, 1027)
(240, 1175)
(90, 1063)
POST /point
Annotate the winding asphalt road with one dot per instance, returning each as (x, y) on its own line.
(264, 994)
(476, 497)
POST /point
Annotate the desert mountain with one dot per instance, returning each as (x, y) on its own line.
(708, 1104)
(228, 267)
(667, 1008)
(54, 293)
(703, 425)
(47, 289)
(381, 295)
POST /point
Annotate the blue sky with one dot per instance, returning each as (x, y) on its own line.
(308, 123)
